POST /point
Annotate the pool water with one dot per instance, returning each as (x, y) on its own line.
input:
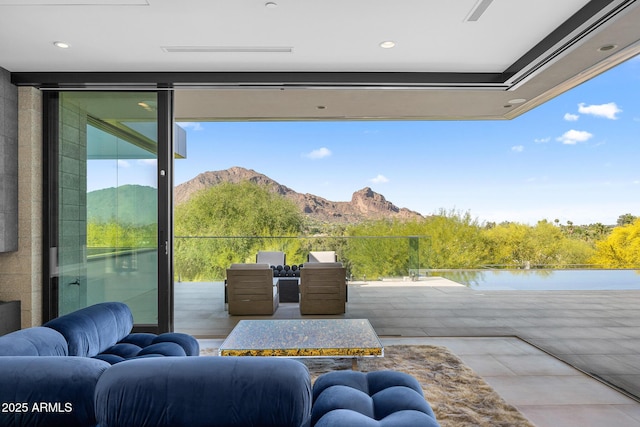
(544, 280)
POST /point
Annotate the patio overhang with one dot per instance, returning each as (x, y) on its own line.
(435, 60)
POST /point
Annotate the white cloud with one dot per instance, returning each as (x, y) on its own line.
(607, 111)
(542, 140)
(380, 179)
(320, 153)
(571, 117)
(191, 125)
(572, 137)
(148, 162)
(123, 164)
(518, 148)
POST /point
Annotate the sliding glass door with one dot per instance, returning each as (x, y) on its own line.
(109, 223)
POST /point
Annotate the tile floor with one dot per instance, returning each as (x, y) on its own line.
(548, 392)
(572, 332)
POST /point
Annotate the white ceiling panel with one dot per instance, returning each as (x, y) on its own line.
(528, 49)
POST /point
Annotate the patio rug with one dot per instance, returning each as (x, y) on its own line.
(459, 397)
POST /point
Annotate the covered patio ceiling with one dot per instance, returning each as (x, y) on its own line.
(329, 60)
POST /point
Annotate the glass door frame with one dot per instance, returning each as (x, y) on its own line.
(50, 214)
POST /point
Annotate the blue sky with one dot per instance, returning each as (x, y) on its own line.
(574, 158)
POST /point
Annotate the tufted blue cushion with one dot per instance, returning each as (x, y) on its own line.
(93, 329)
(204, 391)
(103, 331)
(141, 339)
(164, 349)
(389, 400)
(375, 399)
(346, 417)
(68, 382)
(342, 397)
(380, 380)
(112, 359)
(37, 341)
(124, 350)
(187, 342)
(353, 379)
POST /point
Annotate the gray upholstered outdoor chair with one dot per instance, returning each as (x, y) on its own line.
(251, 289)
(322, 256)
(271, 258)
(323, 288)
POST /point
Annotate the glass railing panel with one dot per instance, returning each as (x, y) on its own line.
(206, 258)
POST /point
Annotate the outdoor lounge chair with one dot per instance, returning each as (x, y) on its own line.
(271, 257)
(323, 288)
(322, 256)
(251, 290)
(325, 256)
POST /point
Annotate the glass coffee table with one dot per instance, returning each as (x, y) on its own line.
(349, 338)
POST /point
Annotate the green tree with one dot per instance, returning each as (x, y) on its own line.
(447, 240)
(626, 219)
(519, 245)
(218, 226)
(374, 248)
(111, 236)
(621, 249)
(457, 241)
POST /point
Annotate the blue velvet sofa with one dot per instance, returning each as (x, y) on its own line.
(205, 391)
(101, 331)
(49, 391)
(255, 392)
(53, 391)
(38, 387)
(86, 369)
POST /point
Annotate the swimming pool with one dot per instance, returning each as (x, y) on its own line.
(544, 280)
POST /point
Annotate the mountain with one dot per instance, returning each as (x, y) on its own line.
(365, 204)
(130, 204)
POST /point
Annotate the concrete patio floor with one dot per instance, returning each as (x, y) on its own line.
(516, 340)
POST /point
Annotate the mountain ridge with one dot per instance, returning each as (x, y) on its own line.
(122, 204)
(365, 204)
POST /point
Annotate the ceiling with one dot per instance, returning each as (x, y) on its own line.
(322, 60)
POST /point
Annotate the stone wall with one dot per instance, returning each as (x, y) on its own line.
(72, 205)
(8, 163)
(21, 270)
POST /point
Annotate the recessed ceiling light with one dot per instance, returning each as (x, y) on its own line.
(517, 101)
(387, 44)
(147, 105)
(607, 47)
(271, 5)
(62, 45)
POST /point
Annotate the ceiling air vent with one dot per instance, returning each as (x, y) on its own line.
(227, 49)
